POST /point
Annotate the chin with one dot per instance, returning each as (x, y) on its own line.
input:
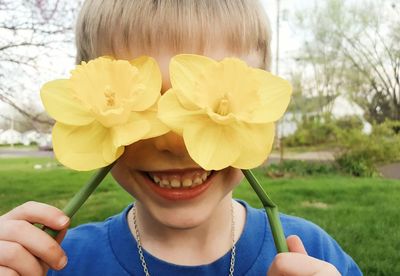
(184, 217)
(182, 223)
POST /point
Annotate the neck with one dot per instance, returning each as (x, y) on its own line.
(201, 244)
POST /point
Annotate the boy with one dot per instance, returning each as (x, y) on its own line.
(170, 230)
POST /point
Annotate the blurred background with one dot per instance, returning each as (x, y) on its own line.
(336, 158)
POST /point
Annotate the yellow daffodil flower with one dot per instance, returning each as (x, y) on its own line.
(225, 110)
(105, 105)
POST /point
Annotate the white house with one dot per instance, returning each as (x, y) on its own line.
(341, 107)
(30, 137)
(10, 136)
(44, 142)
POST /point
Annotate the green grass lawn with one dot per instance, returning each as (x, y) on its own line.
(362, 214)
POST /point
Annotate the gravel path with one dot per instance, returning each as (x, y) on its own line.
(11, 153)
(391, 170)
(307, 156)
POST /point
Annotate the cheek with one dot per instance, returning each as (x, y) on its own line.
(233, 177)
(121, 175)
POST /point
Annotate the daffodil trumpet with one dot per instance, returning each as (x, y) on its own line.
(272, 212)
(82, 195)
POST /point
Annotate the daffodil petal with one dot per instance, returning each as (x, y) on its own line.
(210, 145)
(150, 78)
(58, 100)
(157, 127)
(274, 94)
(185, 73)
(84, 148)
(131, 132)
(174, 115)
(256, 144)
(111, 153)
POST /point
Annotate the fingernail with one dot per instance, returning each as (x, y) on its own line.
(63, 262)
(63, 220)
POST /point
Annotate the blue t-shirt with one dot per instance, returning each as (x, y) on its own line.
(109, 248)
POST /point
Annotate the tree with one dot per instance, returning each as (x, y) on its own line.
(353, 48)
(32, 31)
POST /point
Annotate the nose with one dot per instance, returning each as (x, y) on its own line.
(172, 143)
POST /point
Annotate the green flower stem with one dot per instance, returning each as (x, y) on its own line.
(272, 212)
(82, 195)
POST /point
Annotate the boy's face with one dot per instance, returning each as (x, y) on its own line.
(160, 174)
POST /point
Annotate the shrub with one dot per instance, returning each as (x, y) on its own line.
(300, 168)
(349, 122)
(313, 131)
(323, 129)
(361, 153)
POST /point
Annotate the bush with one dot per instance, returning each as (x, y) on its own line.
(354, 165)
(322, 130)
(349, 122)
(313, 131)
(361, 153)
(300, 168)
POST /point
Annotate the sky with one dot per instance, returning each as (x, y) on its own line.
(289, 42)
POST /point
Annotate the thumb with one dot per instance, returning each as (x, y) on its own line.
(296, 245)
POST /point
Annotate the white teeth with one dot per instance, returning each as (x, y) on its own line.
(164, 183)
(187, 182)
(176, 182)
(197, 181)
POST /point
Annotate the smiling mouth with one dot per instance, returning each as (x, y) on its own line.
(179, 184)
(177, 180)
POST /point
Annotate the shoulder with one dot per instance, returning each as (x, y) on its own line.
(292, 225)
(89, 249)
(89, 237)
(317, 242)
(310, 233)
(86, 236)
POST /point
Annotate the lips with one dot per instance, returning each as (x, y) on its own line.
(179, 184)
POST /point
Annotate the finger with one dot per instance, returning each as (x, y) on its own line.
(45, 268)
(5, 271)
(296, 245)
(16, 257)
(35, 241)
(291, 264)
(298, 264)
(60, 236)
(36, 212)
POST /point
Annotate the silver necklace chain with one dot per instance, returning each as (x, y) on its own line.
(140, 249)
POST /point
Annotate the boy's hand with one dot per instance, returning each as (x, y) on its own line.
(298, 263)
(26, 249)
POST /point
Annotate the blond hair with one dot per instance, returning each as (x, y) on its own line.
(106, 26)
